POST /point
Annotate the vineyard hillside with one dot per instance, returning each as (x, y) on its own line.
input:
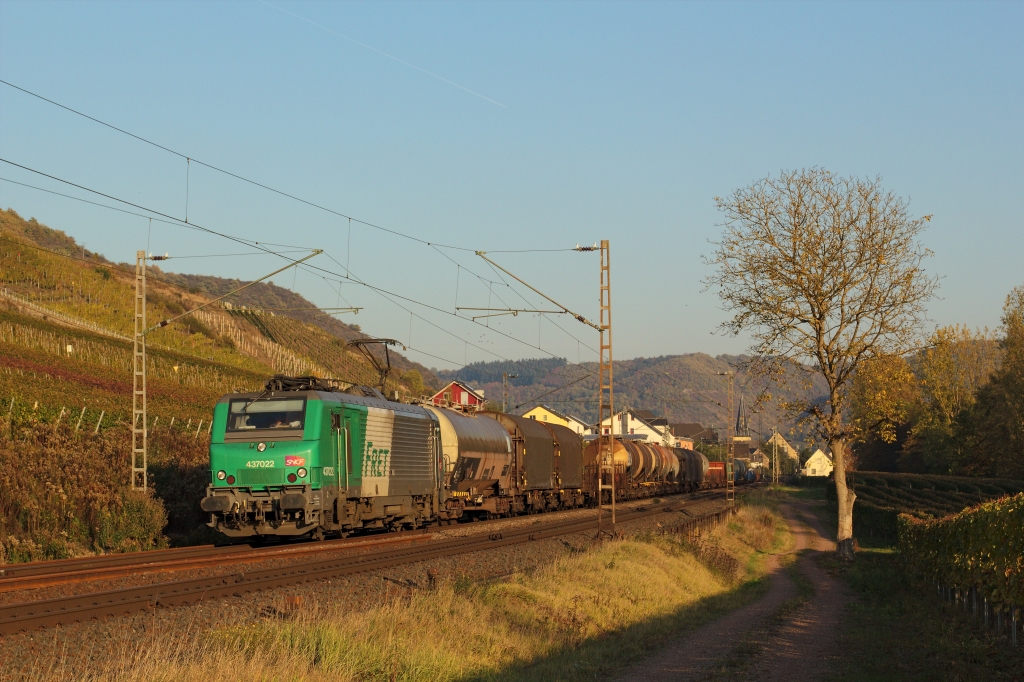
(66, 326)
(66, 319)
(882, 497)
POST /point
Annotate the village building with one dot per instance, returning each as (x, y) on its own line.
(545, 413)
(645, 425)
(818, 464)
(459, 396)
(784, 448)
(759, 460)
(695, 433)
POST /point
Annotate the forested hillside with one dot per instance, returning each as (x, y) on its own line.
(684, 388)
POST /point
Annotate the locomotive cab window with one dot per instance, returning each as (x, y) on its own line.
(271, 414)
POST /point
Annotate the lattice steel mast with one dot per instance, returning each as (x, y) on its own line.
(139, 423)
(730, 448)
(605, 393)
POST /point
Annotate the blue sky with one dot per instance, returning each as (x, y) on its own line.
(516, 126)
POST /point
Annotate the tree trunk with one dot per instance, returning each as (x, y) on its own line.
(845, 497)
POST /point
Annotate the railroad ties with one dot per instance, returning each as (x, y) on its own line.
(82, 607)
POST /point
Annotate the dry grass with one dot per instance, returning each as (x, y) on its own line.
(577, 618)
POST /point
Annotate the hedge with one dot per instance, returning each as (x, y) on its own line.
(982, 547)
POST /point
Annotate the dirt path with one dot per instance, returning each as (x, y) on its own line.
(798, 650)
(802, 647)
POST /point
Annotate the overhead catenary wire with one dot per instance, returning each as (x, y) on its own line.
(254, 244)
(178, 221)
(189, 159)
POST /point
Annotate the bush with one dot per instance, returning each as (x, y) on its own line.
(981, 547)
(64, 494)
(882, 497)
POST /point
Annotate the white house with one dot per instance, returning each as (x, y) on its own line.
(641, 424)
(818, 464)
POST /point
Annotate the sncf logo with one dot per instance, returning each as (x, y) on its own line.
(293, 461)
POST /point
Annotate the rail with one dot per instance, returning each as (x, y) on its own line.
(74, 608)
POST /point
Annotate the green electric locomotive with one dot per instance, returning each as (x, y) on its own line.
(304, 459)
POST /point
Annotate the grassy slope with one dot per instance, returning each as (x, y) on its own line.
(897, 628)
(580, 618)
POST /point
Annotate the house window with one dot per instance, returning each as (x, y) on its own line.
(533, 416)
(813, 472)
(606, 432)
(632, 431)
(545, 417)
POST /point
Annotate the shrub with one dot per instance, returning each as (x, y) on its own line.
(982, 547)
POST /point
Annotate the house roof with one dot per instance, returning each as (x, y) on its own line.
(784, 444)
(461, 385)
(650, 417)
(693, 430)
(819, 452)
(562, 415)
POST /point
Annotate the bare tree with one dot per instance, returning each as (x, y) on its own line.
(823, 272)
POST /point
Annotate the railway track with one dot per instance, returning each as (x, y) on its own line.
(50, 573)
(36, 575)
(75, 608)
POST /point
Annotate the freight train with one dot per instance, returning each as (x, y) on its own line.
(304, 459)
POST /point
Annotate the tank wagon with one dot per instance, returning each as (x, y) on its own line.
(503, 464)
(644, 469)
(302, 458)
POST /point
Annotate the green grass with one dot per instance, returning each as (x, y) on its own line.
(898, 629)
(582, 617)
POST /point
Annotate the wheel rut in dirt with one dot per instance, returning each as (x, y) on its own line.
(798, 648)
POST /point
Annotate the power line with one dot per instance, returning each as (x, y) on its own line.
(191, 159)
(253, 244)
(177, 221)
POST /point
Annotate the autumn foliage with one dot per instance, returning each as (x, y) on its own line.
(982, 547)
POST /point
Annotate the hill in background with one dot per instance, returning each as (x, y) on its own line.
(683, 388)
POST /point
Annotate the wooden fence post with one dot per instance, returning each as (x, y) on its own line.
(98, 422)
(80, 417)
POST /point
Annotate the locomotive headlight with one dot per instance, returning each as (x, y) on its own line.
(221, 475)
(301, 472)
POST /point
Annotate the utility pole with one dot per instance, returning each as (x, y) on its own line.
(605, 394)
(730, 462)
(139, 432)
(505, 376)
(775, 455)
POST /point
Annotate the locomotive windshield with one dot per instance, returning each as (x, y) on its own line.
(274, 413)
